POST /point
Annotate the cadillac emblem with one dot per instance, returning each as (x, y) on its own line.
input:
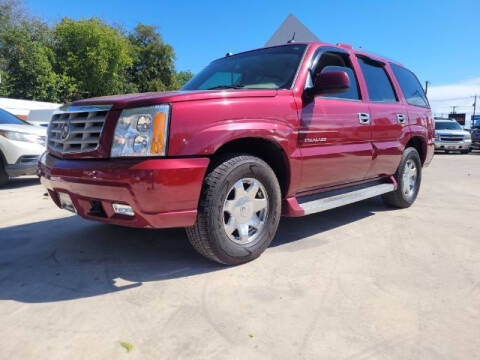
(65, 131)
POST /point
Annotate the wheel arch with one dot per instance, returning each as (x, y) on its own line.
(267, 150)
(420, 144)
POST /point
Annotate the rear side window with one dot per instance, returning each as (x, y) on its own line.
(411, 88)
(379, 86)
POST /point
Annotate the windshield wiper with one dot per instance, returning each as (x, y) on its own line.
(226, 87)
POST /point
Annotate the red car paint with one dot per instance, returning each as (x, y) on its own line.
(164, 192)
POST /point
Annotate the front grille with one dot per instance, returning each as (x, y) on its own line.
(77, 129)
(451, 138)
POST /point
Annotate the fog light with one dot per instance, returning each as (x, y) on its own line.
(123, 209)
(66, 202)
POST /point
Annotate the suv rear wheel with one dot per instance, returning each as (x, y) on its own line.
(238, 212)
(409, 177)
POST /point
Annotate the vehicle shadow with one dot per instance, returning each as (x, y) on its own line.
(20, 182)
(71, 258)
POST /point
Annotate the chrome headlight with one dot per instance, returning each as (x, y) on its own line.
(141, 132)
(468, 136)
(25, 137)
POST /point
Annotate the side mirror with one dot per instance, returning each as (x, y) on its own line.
(331, 82)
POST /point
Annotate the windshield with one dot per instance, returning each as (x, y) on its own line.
(271, 68)
(447, 125)
(7, 118)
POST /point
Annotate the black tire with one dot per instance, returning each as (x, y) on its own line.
(399, 198)
(3, 174)
(465, 151)
(208, 235)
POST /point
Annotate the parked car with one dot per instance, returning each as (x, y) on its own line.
(20, 146)
(450, 136)
(293, 130)
(475, 133)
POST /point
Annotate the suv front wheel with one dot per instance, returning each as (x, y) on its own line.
(238, 212)
(408, 177)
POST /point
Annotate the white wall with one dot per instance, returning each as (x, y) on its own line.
(23, 107)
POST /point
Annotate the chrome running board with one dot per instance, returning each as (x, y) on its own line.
(333, 199)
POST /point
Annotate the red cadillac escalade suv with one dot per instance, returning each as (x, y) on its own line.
(287, 130)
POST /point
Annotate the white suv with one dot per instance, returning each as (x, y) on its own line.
(20, 146)
(450, 136)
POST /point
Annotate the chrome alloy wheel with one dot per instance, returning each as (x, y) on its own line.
(409, 178)
(245, 211)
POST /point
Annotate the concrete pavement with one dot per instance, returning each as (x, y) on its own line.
(359, 282)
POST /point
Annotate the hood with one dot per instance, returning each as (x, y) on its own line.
(27, 129)
(451, 132)
(145, 99)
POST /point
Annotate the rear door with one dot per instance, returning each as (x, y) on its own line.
(418, 108)
(334, 135)
(388, 116)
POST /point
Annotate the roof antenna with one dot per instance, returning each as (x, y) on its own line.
(292, 40)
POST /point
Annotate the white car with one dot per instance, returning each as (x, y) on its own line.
(450, 136)
(20, 146)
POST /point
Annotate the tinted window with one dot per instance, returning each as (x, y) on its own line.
(270, 68)
(411, 88)
(7, 118)
(378, 84)
(352, 91)
(333, 61)
(447, 125)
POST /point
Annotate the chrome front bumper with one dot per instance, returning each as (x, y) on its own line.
(453, 145)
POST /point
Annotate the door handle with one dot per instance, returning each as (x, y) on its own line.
(401, 118)
(364, 118)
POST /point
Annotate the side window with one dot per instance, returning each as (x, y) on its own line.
(331, 61)
(352, 92)
(411, 88)
(379, 86)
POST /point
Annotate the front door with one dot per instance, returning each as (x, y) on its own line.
(334, 135)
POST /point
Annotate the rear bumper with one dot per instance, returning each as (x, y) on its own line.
(162, 192)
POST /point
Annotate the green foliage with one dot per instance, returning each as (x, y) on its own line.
(94, 54)
(80, 58)
(26, 62)
(182, 78)
(153, 67)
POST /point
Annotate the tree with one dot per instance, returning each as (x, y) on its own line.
(80, 59)
(153, 66)
(28, 72)
(11, 13)
(181, 78)
(92, 53)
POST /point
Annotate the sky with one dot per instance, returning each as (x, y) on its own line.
(439, 40)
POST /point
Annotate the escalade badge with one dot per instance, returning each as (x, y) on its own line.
(314, 140)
